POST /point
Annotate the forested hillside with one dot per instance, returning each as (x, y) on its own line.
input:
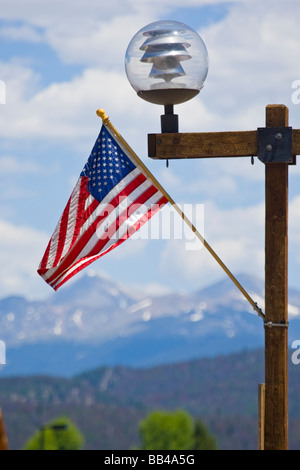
(107, 404)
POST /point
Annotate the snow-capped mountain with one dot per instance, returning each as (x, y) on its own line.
(95, 321)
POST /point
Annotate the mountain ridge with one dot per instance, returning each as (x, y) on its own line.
(108, 403)
(96, 321)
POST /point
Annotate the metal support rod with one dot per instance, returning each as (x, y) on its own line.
(276, 296)
(169, 120)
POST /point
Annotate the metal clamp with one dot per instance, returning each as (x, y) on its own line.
(270, 324)
(274, 144)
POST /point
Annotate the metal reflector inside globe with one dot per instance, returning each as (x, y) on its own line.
(166, 63)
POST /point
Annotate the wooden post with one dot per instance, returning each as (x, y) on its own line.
(276, 295)
(261, 416)
(245, 143)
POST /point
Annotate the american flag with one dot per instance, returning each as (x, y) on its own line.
(112, 198)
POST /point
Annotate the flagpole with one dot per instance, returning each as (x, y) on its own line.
(105, 119)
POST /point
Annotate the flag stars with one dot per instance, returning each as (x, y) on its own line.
(107, 165)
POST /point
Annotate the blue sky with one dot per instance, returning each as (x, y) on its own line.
(61, 61)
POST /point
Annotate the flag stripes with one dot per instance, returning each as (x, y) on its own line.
(90, 225)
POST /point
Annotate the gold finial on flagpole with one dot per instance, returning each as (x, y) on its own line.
(101, 113)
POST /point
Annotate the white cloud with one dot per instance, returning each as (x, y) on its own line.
(294, 228)
(51, 13)
(253, 55)
(238, 237)
(21, 83)
(21, 249)
(102, 45)
(62, 110)
(55, 13)
(22, 33)
(11, 165)
(250, 67)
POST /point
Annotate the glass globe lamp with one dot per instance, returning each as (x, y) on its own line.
(166, 63)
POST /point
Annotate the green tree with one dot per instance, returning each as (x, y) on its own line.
(162, 430)
(203, 440)
(59, 434)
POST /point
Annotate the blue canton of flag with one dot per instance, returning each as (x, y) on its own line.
(106, 166)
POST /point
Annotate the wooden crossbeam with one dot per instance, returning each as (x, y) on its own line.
(209, 144)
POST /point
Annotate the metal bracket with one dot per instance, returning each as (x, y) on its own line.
(270, 324)
(274, 144)
(169, 120)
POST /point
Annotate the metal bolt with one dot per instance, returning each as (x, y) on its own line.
(278, 136)
(269, 147)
